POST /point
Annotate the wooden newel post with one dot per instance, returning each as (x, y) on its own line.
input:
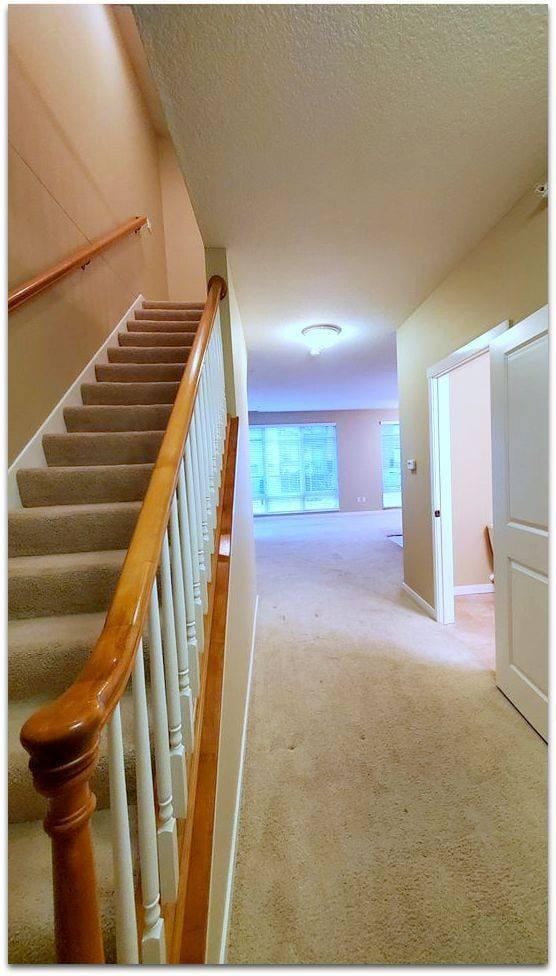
(71, 803)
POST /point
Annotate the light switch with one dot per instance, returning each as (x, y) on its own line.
(411, 464)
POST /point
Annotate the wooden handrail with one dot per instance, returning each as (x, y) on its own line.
(78, 259)
(65, 728)
(62, 738)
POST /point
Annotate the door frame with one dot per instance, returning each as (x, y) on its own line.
(438, 379)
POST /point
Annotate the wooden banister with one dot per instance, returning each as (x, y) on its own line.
(78, 259)
(63, 737)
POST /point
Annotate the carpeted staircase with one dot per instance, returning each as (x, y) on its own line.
(66, 548)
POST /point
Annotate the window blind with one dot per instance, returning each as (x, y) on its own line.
(294, 468)
(391, 465)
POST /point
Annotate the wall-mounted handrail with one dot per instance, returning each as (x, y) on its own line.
(63, 737)
(80, 258)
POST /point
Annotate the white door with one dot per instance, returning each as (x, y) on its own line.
(519, 390)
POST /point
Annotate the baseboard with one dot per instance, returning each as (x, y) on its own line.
(473, 588)
(419, 601)
(235, 829)
(32, 455)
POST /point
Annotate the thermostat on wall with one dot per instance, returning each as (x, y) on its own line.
(411, 464)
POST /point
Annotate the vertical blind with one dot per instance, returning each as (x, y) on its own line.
(391, 465)
(294, 468)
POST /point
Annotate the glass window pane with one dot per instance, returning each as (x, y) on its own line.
(284, 504)
(391, 465)
(256, 458)
(392, 499)
(294, 468)
(321, 503)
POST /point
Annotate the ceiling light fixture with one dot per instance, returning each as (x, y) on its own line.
(319, 337)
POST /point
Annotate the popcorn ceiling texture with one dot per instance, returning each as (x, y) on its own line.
(348, 156)
(394, 804)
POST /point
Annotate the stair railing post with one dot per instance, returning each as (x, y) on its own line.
(71, 804)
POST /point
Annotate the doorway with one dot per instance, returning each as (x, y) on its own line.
(454, 495)
(519, 410)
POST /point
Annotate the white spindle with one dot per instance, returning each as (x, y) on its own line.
(222, 380)
(207, 443)
(218, 398)
(223, 410)
(213, 501)
(177, 563)
(126, 921)
(199, 425)
(167, 830)
(213, 406)
(177, 748)
(153, 947)
(191, 623)
(194, 544)
(211, 399)
(200, 474)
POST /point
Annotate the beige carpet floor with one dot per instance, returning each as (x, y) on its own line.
(394, 805)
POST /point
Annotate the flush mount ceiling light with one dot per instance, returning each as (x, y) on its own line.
(319, 337)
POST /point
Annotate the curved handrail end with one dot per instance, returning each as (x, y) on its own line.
(223, 285)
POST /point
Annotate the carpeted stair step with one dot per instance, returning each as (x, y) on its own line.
(149, 354)
(139, 372)
(66, 549)
(63, 583)
(163, 326)
(31, 912)
(24, 803)
(47, 653)
(71, 528)
(114, 393)
(168, 314)
(185, 306)
(101, 418)
(83, 485)
(102, 447)
(150, 339)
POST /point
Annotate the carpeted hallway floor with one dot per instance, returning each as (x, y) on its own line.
(394, 804)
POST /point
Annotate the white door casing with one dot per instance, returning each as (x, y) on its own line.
(520, 414)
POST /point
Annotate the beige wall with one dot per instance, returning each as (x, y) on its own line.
(471, 470)
(83, 157)
(239, 627)
(185, 253)
(358, 443)
(504, 277)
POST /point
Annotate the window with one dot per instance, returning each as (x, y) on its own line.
(294, 468)
(391, 464)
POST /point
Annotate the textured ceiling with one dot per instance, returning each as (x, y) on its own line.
(348, 157)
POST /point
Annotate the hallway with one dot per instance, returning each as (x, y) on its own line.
(394, 801)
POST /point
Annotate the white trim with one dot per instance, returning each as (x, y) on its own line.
(440, 467)
(441, 498)
(470, 588)
(235, 827)
(32, 455)
(419, 601)
(468, 352)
